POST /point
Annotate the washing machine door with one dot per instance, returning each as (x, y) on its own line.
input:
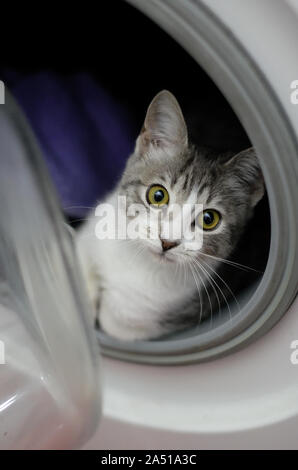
(49, 371)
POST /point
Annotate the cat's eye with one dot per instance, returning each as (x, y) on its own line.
(157, 195)
(209, 219)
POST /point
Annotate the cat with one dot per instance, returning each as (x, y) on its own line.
(148, 287)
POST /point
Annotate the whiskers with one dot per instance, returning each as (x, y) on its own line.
(78, 207)
(199, 291)
(206, 277)
(232, 263)
(72, 221)
(80, 219)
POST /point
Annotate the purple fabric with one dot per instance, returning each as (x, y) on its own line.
(84, 135)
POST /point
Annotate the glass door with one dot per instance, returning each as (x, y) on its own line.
(49, 361)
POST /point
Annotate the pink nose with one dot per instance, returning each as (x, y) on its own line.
(167, 245)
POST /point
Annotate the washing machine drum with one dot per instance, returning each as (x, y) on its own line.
(260, 94)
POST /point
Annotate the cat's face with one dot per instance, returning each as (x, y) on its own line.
(166, 172)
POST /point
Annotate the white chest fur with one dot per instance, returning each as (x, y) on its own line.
(133, 286)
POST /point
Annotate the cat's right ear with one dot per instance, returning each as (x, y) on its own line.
(245, 172)
(164, 127)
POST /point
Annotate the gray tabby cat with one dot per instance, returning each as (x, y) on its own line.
(146, 288)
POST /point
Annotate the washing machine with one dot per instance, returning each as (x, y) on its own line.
(229, 384)
(233, 386)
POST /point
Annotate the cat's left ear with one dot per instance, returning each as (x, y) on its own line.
(164, 127)
(244, 168)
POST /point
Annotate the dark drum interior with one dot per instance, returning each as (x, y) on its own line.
(130, 59)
